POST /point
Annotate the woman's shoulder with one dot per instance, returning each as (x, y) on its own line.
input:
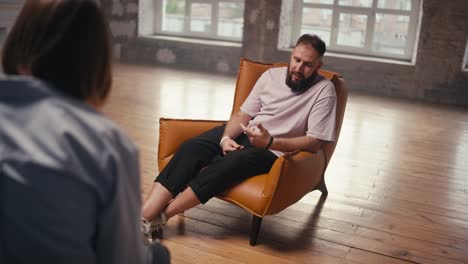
(93, 131)
(48, 128)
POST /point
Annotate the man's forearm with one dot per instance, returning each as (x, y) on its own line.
(306, 143)
(233, 128)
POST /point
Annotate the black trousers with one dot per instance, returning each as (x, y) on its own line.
(159, 254)
(200, 164)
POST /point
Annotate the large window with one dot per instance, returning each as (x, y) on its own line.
(206, 19)
(465, 61)
(379, 28)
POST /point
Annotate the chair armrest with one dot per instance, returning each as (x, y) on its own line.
(173, 132)
(292, 177)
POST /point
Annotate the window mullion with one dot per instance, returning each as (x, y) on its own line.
(334, 28)
(158, 11)
(312, 5)
(214, 18)
(394, 12)
(188, 17)
(297, 21)
(412, 27)
(370, 26)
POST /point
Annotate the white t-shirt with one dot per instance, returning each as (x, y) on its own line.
(287, 114)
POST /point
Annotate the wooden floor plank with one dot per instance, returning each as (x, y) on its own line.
(186, 254)
(363, 256)
(376, 241)
(232, 244)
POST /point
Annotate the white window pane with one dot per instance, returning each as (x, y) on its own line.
(317, 21)
(352, 30)
(395, 4)
(231, 19)
(319, 1)
(391, 33)
(200, 17)
(357, 3)
(173, 15)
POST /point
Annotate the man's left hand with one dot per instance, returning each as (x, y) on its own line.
(259, 136)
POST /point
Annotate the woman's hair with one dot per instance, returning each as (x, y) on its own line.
(65, 43)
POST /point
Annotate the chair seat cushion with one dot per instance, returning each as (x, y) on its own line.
(249, 195)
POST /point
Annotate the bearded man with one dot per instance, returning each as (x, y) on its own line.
(289, 109)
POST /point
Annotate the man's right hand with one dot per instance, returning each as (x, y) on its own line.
(229, 145)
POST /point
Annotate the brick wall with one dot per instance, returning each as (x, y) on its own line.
(123, 17)
(436, 77)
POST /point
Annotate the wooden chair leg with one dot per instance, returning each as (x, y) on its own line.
(256, 223)
(323, 188)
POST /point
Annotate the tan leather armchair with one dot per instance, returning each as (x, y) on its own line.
(288, 180)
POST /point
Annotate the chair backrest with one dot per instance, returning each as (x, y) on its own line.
(250, 71)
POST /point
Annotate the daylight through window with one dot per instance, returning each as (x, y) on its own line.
(206, 19)
(380, 28)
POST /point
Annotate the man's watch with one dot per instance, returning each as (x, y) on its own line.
(269, 143)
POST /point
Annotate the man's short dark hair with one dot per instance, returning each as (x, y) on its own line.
(313, 40)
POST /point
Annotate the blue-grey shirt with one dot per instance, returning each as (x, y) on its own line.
(69, 181)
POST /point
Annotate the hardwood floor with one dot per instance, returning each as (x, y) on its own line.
(397, 181)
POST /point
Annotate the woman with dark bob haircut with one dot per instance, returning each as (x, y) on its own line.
(69, 178)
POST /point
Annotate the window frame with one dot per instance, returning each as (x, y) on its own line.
(371, 12)
(186, 32)
(465, 59)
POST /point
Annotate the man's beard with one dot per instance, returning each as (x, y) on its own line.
(301, 85)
